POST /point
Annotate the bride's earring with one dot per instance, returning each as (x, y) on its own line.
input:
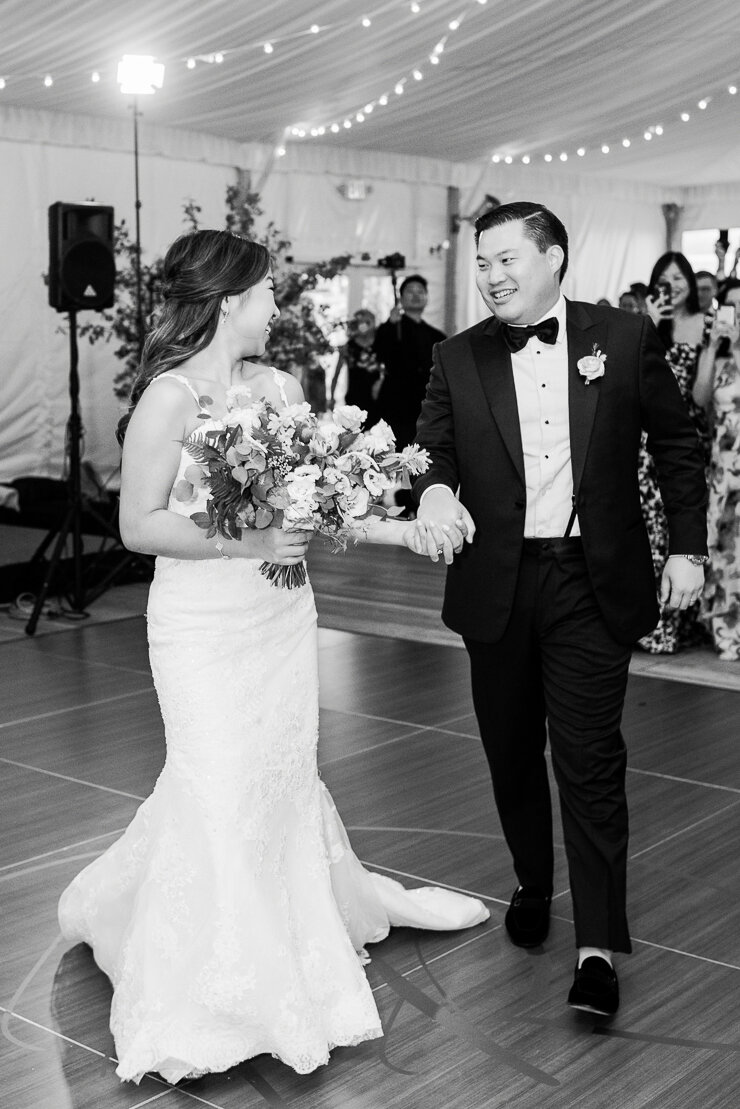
(224, 312)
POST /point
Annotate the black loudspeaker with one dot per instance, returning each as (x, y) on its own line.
(82, 265)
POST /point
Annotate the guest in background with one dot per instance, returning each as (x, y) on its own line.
(640, 291)
(674, 309)
(604, 302)
(721, 248)
(717, 388)
(628, 302)
(404, 346)
(364, 371)
(706, 289)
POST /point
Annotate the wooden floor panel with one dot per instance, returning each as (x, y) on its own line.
(471, 1022)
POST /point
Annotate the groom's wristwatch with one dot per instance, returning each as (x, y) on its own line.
(697, 560)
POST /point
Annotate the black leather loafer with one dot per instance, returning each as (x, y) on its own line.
(595, 988)
(527, 919)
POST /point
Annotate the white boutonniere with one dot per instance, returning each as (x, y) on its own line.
(592, 365)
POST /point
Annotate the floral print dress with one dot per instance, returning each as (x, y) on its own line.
(674, 629)
(721, 602)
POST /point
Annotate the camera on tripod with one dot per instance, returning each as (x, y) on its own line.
(393, 262)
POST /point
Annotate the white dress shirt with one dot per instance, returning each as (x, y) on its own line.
(541, 384)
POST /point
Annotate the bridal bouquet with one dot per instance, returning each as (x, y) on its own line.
(268, 467)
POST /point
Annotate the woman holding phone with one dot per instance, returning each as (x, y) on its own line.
(673, 306)
(717, 389)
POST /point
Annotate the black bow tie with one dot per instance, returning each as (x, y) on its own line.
(516, 338)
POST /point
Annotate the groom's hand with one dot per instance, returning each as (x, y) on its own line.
(445, 522)
(681, 584)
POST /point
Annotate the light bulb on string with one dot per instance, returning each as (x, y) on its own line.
(732, 89)
(95, 77)
(48, 80)
(685, 117)
(190, 63)
(581, 151)
(268, 48)
(418, 75)
(548, 157)
(2, 82)
(605, 149)
(366, 22)
(314, 28)
(526, 159)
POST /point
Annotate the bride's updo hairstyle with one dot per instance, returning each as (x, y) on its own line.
(199, 270)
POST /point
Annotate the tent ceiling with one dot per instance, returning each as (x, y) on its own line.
(537, 77)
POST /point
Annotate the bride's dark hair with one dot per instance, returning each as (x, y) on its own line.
(199, 270)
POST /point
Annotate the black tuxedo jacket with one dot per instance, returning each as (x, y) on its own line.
(470, 424)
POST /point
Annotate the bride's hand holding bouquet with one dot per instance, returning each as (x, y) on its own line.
(282, 468)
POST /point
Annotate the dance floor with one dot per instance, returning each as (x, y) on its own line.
(470, 1021)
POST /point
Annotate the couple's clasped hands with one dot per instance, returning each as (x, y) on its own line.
(441, 527)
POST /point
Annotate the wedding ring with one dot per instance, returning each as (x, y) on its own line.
(440, 550)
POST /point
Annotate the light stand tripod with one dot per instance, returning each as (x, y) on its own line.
(77, 597)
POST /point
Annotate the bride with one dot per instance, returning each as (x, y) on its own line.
(232, 914)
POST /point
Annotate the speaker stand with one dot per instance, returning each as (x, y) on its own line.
(77, 597)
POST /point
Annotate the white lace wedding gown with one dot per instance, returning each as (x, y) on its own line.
(231, 914)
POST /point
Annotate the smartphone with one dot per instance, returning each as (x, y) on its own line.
(664, 292)
(726, 313)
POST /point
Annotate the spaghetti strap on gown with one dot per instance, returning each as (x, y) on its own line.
(232, 914)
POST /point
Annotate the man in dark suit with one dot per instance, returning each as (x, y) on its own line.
(533, 433)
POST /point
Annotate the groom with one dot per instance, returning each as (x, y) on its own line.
(533, 418)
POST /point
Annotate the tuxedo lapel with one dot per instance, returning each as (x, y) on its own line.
(493, 363)
(583, 334)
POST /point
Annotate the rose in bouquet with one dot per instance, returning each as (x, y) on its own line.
(268, 467)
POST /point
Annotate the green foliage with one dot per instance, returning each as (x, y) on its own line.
(298, 339)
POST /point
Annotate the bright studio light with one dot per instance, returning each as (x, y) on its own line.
(139, 74)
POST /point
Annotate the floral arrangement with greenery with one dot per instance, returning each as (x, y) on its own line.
(298, 339)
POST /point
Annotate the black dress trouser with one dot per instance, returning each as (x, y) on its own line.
(557, 669)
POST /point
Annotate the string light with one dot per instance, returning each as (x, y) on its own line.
(48, 80)
(95, 77)
(268, 48)
(655, 130)
(366, 22)
(2, 82)
(190, 63)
